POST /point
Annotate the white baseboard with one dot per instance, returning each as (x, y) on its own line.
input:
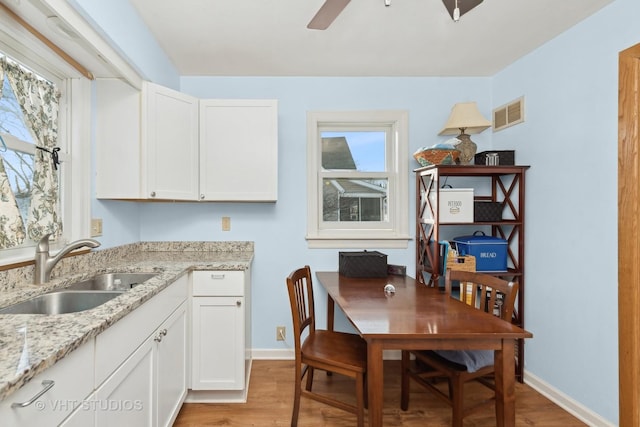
(273, 354)
(575, 408)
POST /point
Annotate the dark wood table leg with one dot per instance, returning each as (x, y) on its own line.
(330, 313)
(504, 364)
(330, 318)
(375, 375)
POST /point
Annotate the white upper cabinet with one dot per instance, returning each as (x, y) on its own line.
(164, 145)
(118, 145)
(146, 143)
(239, 150)
(169, 143)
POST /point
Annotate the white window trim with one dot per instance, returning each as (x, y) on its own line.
(396, 235)
(78, 177)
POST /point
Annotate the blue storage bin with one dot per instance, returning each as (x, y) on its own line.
(490, 251)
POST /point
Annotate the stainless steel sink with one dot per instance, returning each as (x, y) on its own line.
(61, 302)
(80, 296)
(112, 282)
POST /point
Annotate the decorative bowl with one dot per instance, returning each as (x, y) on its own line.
(437, 156)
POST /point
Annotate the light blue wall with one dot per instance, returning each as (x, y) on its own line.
(119, 23)
(569, 138)
(278, 229)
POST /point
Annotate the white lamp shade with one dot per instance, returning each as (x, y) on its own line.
(465, 115)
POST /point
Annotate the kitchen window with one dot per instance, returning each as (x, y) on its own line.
(44, 186)
(357, 182)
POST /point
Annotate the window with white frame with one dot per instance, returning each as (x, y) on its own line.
(42, 191)
(357, 182)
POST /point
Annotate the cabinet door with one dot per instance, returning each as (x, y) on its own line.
(84, 415)
(239, 150)
(172, 366)
(118, 151)
(218, 357)
(126, 398)
(170, 143)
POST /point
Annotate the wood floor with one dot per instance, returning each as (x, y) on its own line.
(271, 395)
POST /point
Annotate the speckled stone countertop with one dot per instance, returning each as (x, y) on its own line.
(31, 343)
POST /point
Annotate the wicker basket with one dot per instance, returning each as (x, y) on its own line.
(437, 156)
(462, 263)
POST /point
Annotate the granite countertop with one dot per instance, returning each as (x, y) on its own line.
(31, 343)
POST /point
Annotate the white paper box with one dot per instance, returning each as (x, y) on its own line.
(456, 204)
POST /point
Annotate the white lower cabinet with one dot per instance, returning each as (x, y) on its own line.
(149, 387)
(218, 348)
(83, 416)
(136, 372)
(65, 385)
(220, 336)
(132, 374)
(172, 366)
(127, 397)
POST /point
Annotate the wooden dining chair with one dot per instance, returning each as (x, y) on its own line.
(331, 351)
(484, 292)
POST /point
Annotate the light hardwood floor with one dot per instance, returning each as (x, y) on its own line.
(271, 394)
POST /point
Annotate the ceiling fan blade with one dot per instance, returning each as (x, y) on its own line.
(464, 5)
(327, 13)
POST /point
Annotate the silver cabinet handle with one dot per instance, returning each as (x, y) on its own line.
(161, 334)
(47, 384)
(217, 276)
(153, 194)
(202, 197)
(238, 303)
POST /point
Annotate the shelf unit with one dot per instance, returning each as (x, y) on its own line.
(504, 184)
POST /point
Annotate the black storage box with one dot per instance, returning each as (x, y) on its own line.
(362, 264)
(505, 157)
(485, 211)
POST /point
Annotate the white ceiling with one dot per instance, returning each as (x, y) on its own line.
(408, 38)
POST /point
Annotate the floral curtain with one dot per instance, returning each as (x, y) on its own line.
(39, 100)
(11, 226)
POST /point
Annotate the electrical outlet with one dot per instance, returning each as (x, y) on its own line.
(96, 227)
(226, 223)
(281, 333)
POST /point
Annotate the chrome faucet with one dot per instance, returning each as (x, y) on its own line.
(45, 263)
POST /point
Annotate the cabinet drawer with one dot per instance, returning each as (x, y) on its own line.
(218, 283)
(72, 382)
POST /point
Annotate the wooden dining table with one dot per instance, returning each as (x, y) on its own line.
(417, 317)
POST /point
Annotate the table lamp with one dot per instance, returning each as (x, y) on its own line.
(466, 119)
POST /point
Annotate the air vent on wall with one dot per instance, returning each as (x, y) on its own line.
(508, 114)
